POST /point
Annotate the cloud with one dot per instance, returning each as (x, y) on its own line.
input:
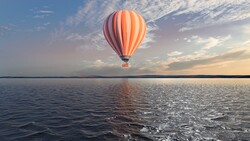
(232, 55)
(95, 13)
(95, 39)
(201, 13)
(46, 11)
(92, 13)
(187, 40)
(205, 58)
(99, 67)
(150, 36)
(41, 14)
(8, 28)
(46, 24)
(246, 29)
(246, 43)
(214, 12)
(74, 37)
(211, 41)
(205, 44)
(39, 28)
(175, 53)
(4, 29)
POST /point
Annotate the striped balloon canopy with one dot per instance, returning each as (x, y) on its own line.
(124, 30)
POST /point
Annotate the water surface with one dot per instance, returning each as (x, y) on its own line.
(124, 109)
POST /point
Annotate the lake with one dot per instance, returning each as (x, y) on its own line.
(124, 109)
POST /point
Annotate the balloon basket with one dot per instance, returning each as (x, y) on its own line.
(125, 65)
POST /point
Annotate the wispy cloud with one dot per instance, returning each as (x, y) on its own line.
(41, 14)
(92, 13)
(175, 53)
(94, 39)
(246, 29)
(241, 52)
(201, 13)
(74, 37)
(214, 12)
(100, 67)
(204, 44)
(231, 56)
(209, 12)
(46, 11)
(210, 42)
(39, 28)
(46, 24)
(4, 29)
(202, 55)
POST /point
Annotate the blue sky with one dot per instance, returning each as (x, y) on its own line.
(51, 38)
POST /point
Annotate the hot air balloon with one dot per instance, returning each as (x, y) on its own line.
(124, 30)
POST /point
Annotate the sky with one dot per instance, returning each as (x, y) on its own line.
(65, 38)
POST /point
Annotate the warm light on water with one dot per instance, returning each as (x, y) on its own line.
(124, 109)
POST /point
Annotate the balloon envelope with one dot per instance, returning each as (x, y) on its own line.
(124, 30)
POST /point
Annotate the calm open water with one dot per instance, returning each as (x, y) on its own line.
(124, 109)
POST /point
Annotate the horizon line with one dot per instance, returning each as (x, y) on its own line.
(137, 76)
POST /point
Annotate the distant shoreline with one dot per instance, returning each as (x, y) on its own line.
(138, 76)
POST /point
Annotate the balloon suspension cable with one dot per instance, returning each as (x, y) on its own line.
(125, 65)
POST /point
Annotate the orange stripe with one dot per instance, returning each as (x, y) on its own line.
(114, 24)
(139, 34)
(128, 23)
(142, 35)
(132, 31)
(125, 17)
(124, 29)
(136, 32)
(139, 42)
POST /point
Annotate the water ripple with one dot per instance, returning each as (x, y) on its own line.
(124, 109)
